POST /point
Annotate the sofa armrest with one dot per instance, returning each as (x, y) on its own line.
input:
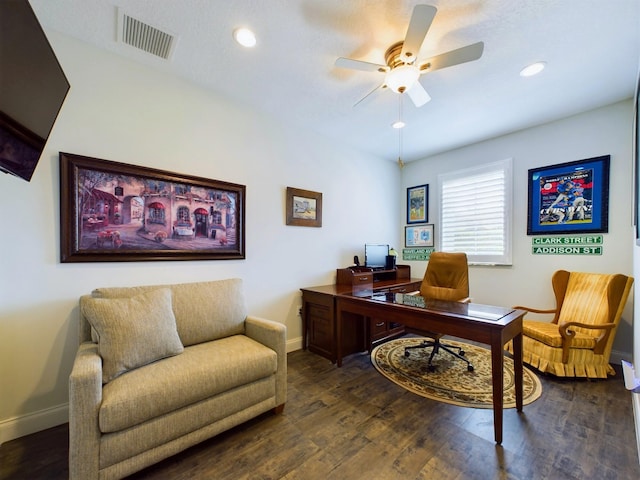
(85, 397)
(273, 335)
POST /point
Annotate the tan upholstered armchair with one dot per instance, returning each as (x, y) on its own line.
(578, 341)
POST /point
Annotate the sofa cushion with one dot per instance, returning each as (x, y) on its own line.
(133, 332)
(202, 371)
(204, 311)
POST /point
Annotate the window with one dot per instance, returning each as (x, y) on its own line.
(475, 212)
(156, 213)
(183, 216)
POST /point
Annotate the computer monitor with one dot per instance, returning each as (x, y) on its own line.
(375, 256)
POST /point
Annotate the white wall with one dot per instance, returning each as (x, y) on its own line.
(605, 131)
(118, 110)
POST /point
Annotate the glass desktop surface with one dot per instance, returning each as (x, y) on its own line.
(470, 310)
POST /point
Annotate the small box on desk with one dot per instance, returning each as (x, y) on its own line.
(355, 276)
(368, 276)
(359, 278)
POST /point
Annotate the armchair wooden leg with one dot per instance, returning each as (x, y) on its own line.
(279, 409)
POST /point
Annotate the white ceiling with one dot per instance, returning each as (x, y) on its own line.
(592, 50)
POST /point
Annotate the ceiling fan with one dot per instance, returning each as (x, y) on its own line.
(403, 69)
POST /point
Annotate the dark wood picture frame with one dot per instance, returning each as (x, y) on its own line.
(115, 212)
(418, 204)
(304, 208)
(569, 198)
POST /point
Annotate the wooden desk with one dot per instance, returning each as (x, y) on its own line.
(480, 323)
(319, 311)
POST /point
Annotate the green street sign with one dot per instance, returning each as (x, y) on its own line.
(584, 240)
(417, 253)
(566, 250)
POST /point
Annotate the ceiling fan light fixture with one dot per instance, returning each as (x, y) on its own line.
(402, 78)
(245, 37)
(533, 69)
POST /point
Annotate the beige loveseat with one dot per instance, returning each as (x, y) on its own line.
(161, 368)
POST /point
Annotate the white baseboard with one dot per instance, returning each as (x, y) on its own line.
(294, 344)
(617, 356)
(17, 427)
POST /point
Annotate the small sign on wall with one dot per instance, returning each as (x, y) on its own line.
(417, 253)
(570, 245)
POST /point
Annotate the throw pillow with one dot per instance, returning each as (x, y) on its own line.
(133, 332)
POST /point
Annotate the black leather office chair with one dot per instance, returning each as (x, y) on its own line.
(446, 278)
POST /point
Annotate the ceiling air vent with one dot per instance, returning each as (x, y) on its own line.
(145, 37)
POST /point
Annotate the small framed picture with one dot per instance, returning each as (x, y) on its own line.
(304, 208)
(418, 236)
(418, 204)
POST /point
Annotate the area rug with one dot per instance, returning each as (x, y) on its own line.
(451, 382)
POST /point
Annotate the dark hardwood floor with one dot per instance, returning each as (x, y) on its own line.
(352, 423)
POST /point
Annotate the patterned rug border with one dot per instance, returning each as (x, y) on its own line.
(433, 385)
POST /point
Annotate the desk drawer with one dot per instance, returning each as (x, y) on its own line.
(362, 278)
(319, 311)
(378, 327)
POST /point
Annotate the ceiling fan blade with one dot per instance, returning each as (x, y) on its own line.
(369, 96)
(418, 95)
(360, 65)
(421, 19)
(454, 57)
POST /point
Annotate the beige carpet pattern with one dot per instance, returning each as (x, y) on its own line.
(451, 382)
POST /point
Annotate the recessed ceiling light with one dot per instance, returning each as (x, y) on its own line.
(245, 37)
(398, 124)
(532, 69)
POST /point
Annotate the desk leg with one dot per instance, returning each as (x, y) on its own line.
(497, 374)
(518, 368)
(339, 337)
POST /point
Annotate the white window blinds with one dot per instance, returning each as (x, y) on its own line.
(475, 213)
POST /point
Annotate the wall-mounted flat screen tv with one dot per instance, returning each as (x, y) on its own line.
(32, 88)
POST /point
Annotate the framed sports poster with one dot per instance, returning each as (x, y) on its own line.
(418, 204)
(569, 197)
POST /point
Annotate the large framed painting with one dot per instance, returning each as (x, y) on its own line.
(570, 197)
(114, 212)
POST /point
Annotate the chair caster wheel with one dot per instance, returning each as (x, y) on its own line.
(431, 368)
(406, 353)
(462, 352)
(470, 368)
